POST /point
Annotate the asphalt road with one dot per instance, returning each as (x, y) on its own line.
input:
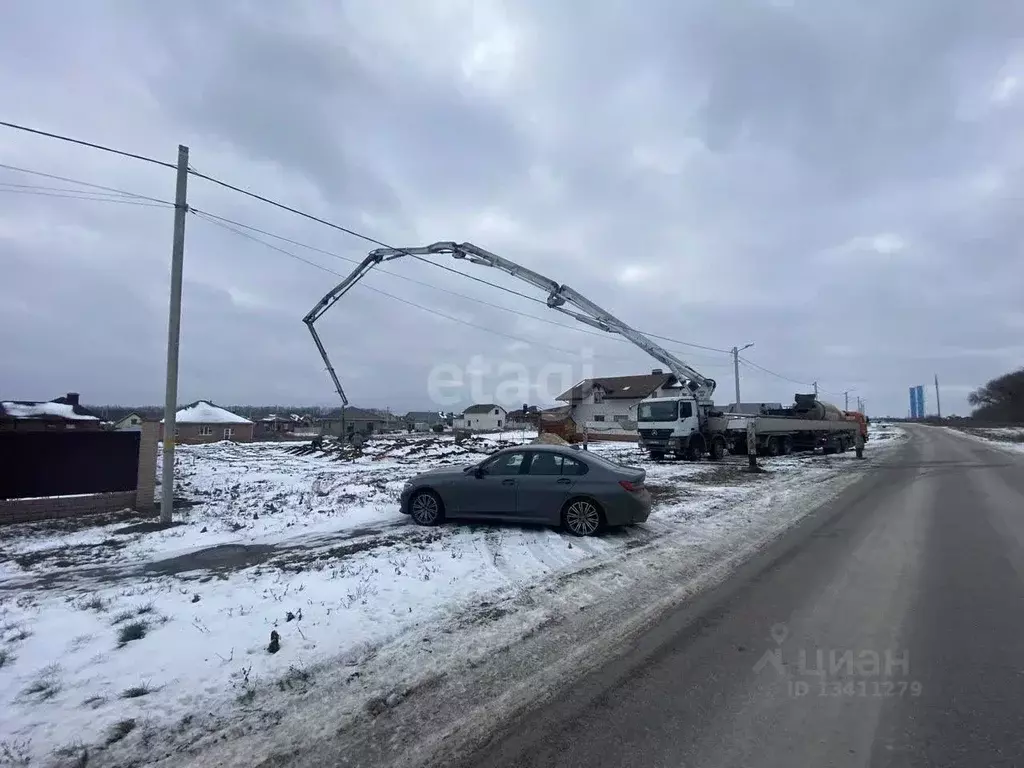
(886, 631)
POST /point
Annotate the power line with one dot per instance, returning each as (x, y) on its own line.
(70, 180)
(413, 280)
(773, 373)
(85, 196)
(431, 310)
(787, 378)
(354, 233)
(71, 140)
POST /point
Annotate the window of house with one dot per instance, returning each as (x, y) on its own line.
(622, 419)
(496, 411)
(599, 417)
(206, 430)
(229, 432)
(598, 395)
(499, 422)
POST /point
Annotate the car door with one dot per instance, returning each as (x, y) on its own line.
(492, 492)
(548, 482)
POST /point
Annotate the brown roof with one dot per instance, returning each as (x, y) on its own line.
(619, 387)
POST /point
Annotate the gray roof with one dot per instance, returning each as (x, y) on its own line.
(423, 416)
(483, 408)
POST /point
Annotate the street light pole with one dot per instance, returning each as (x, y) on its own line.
(736, 368)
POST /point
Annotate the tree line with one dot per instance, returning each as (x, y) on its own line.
(1001, 399)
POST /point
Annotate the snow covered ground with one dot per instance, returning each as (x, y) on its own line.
(1005, 438)
(151, 645)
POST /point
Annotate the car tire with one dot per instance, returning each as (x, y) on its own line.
(426, 508)
(657, 455)
(582, 517)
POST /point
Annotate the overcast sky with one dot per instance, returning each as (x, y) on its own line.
(837, 182)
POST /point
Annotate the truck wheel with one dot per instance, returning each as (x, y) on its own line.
(771, 446)
(717, 448)
(786, 447)
(657, 455)
(842, 445)
(695, 449)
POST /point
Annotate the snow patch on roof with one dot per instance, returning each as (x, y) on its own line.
(204, 412)
(42, 410)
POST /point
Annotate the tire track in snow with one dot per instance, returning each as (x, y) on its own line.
(549, 548)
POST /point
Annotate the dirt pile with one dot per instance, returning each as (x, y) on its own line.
(548, 438)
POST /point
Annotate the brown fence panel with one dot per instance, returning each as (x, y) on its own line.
(67, 462)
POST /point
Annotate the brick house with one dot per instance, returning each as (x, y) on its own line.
(47, 415)
(204, 422)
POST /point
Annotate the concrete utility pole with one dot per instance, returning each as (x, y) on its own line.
(938, 404)
(815, 389)
(736, 367)
(846, 400)
(173, 334)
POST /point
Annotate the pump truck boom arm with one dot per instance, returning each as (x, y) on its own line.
(558, 296)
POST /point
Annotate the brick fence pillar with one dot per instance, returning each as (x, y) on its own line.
(145, 494)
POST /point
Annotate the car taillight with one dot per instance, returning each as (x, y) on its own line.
(632, 487)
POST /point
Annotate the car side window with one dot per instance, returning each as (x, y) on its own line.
(685, 410)
(546, 464)
(573, 467)
(507, 464)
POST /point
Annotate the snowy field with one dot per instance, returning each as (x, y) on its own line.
(144, 645)
(1005, 438)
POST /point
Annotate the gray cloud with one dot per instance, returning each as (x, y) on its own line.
(833, 181)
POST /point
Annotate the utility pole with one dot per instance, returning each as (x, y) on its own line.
(815, 389)
(938, 405)
(173, 335)
(846, 398)
(736, 368)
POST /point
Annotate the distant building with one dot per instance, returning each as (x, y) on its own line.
(422, 421)
(204, 422)
(483, 417)
(130, 423)
(274, 426)
(46, 415)
(608, 404)
(358, 420)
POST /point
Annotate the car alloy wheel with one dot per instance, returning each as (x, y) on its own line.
(425, 509)
(582, 518)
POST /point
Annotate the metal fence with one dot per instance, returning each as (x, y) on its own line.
(65, 463)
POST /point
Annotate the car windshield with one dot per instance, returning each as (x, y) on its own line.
(663, 411)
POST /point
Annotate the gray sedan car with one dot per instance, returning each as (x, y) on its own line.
(543, 484)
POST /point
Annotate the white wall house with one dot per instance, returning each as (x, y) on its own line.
(484, 417)
(130, 423)
(608, 405)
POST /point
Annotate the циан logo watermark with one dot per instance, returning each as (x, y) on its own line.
(867, 672)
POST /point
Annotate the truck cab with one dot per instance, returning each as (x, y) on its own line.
(670, 425)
